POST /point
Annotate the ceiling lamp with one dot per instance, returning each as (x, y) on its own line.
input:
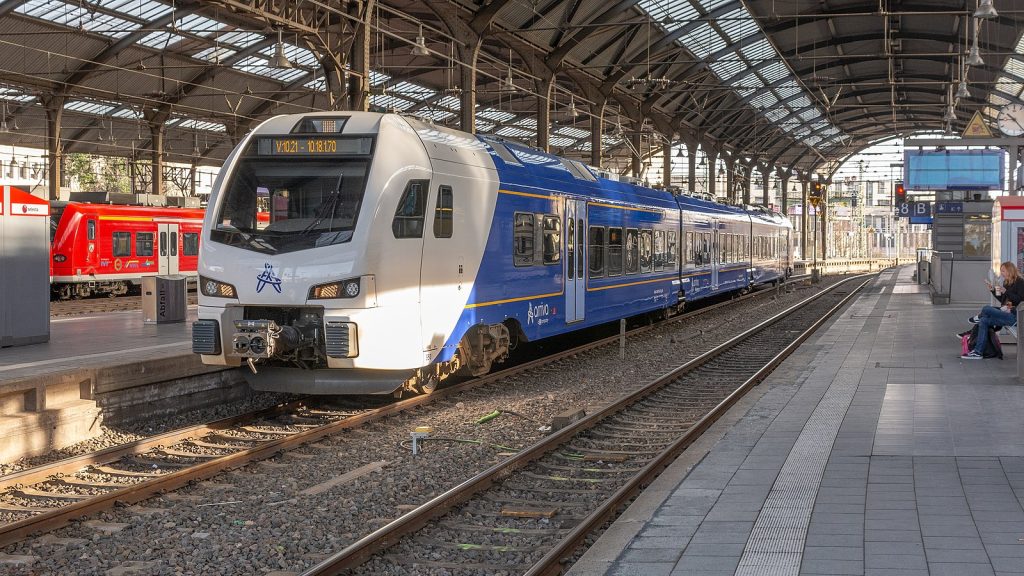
(279, 60)
(420, 48)
(974, 56)
(573, 112)
(507, 84)
(962, 91)
(950, 115)
(986, 10)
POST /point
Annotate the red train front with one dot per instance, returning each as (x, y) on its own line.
(107, 249)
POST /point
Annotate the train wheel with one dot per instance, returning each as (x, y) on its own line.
(428, 384)
(66, 292)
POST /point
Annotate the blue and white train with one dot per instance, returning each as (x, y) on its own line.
(397, 253)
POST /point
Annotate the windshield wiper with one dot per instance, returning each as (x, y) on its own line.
(252, 241)
(328, 207)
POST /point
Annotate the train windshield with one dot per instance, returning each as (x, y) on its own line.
(275, 205)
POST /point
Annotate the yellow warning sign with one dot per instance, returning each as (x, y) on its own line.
(977, 128)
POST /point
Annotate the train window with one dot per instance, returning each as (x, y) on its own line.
(552, 240)
(659, 250)
(408, 222)
(632, 252)
(597, 250)
(163, 243)
(570, 248)
(443, 213)
(174, 243)
(143, 243)
(671, 257)
(122, 244)
(91, 229)
(522, 245)
(190, 244)
(689, 249)
(579, 248)
(646, 250)
(615, 251)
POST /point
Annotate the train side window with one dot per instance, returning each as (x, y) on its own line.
(672, 256)
(122, 244)
(570, 248)
(615, 251)
(408, 222)
(579, 247)
(163, 243)
(552, 240)
(91, 229)
(190, 244)
(659, 250)
(597, 251)
(522, 245)
(443, 213)
(174, 243)
(646, 250)
(688, 249)
(632, 251)
(143, 243)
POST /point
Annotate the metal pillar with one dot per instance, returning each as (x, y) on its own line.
(54, 148)
(596, 127)
(467, 82)
(747, 177)
(784, 200)
(805, 208)
(544, 86)
(359, 81)
(635, 165)
(156, 132)
(765, 177)
(712, 170)
(691, 169)
(666, 164)
(730, 180)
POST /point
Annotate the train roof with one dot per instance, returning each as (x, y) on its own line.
(138, 211)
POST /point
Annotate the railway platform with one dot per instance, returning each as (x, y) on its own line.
(873, 449)
(96, 368)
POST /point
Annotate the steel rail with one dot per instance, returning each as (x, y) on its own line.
(16, 531)
(390, 534)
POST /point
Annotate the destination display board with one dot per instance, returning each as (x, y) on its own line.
(954, 169)
(314, 146)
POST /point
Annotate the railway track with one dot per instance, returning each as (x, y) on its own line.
(48, 497)
(68, 308)
(530, 513)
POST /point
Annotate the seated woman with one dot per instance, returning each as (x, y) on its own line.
(1009, 295)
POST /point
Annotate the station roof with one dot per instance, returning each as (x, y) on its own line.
(797, 84)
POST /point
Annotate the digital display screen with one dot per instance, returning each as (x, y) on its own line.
(953, 169)
(313, 145)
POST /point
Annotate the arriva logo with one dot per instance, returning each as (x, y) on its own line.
(268, 277)
(538, 313)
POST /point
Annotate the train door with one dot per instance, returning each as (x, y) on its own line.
(442, 279)
(716, 255)
(575, 259)
(168, 248)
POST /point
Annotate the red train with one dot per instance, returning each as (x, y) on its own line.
(106, 249)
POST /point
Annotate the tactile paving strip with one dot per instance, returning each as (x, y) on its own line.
(775, 546)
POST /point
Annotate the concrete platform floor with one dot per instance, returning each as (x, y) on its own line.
(873, 450)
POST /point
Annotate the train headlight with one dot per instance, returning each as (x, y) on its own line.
(340, 289)
(59, 258)
(216, 289)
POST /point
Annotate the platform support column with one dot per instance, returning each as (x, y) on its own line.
(766, 173)
(596, 127)
(666, 164)
(467, 82)
(730, 179)
(156, 132)
(712, 169)
(691, 168)
(748, 177)
(544, 86)
(805, 208)
(635, 165)
(359, 81)
(54, 147)
(784, 196)
(1014, 162)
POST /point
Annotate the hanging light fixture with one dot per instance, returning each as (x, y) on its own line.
(950, 115)
(507, 84)
(974, 55)
(279, 60)
(573, 112)
(986, 10)
(420, 48)
(962, 91)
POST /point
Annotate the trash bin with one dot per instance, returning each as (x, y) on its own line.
(163, 299)
(924, 272)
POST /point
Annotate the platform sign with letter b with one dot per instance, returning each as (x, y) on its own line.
(920, 212)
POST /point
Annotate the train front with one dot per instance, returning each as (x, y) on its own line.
(291, 254)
